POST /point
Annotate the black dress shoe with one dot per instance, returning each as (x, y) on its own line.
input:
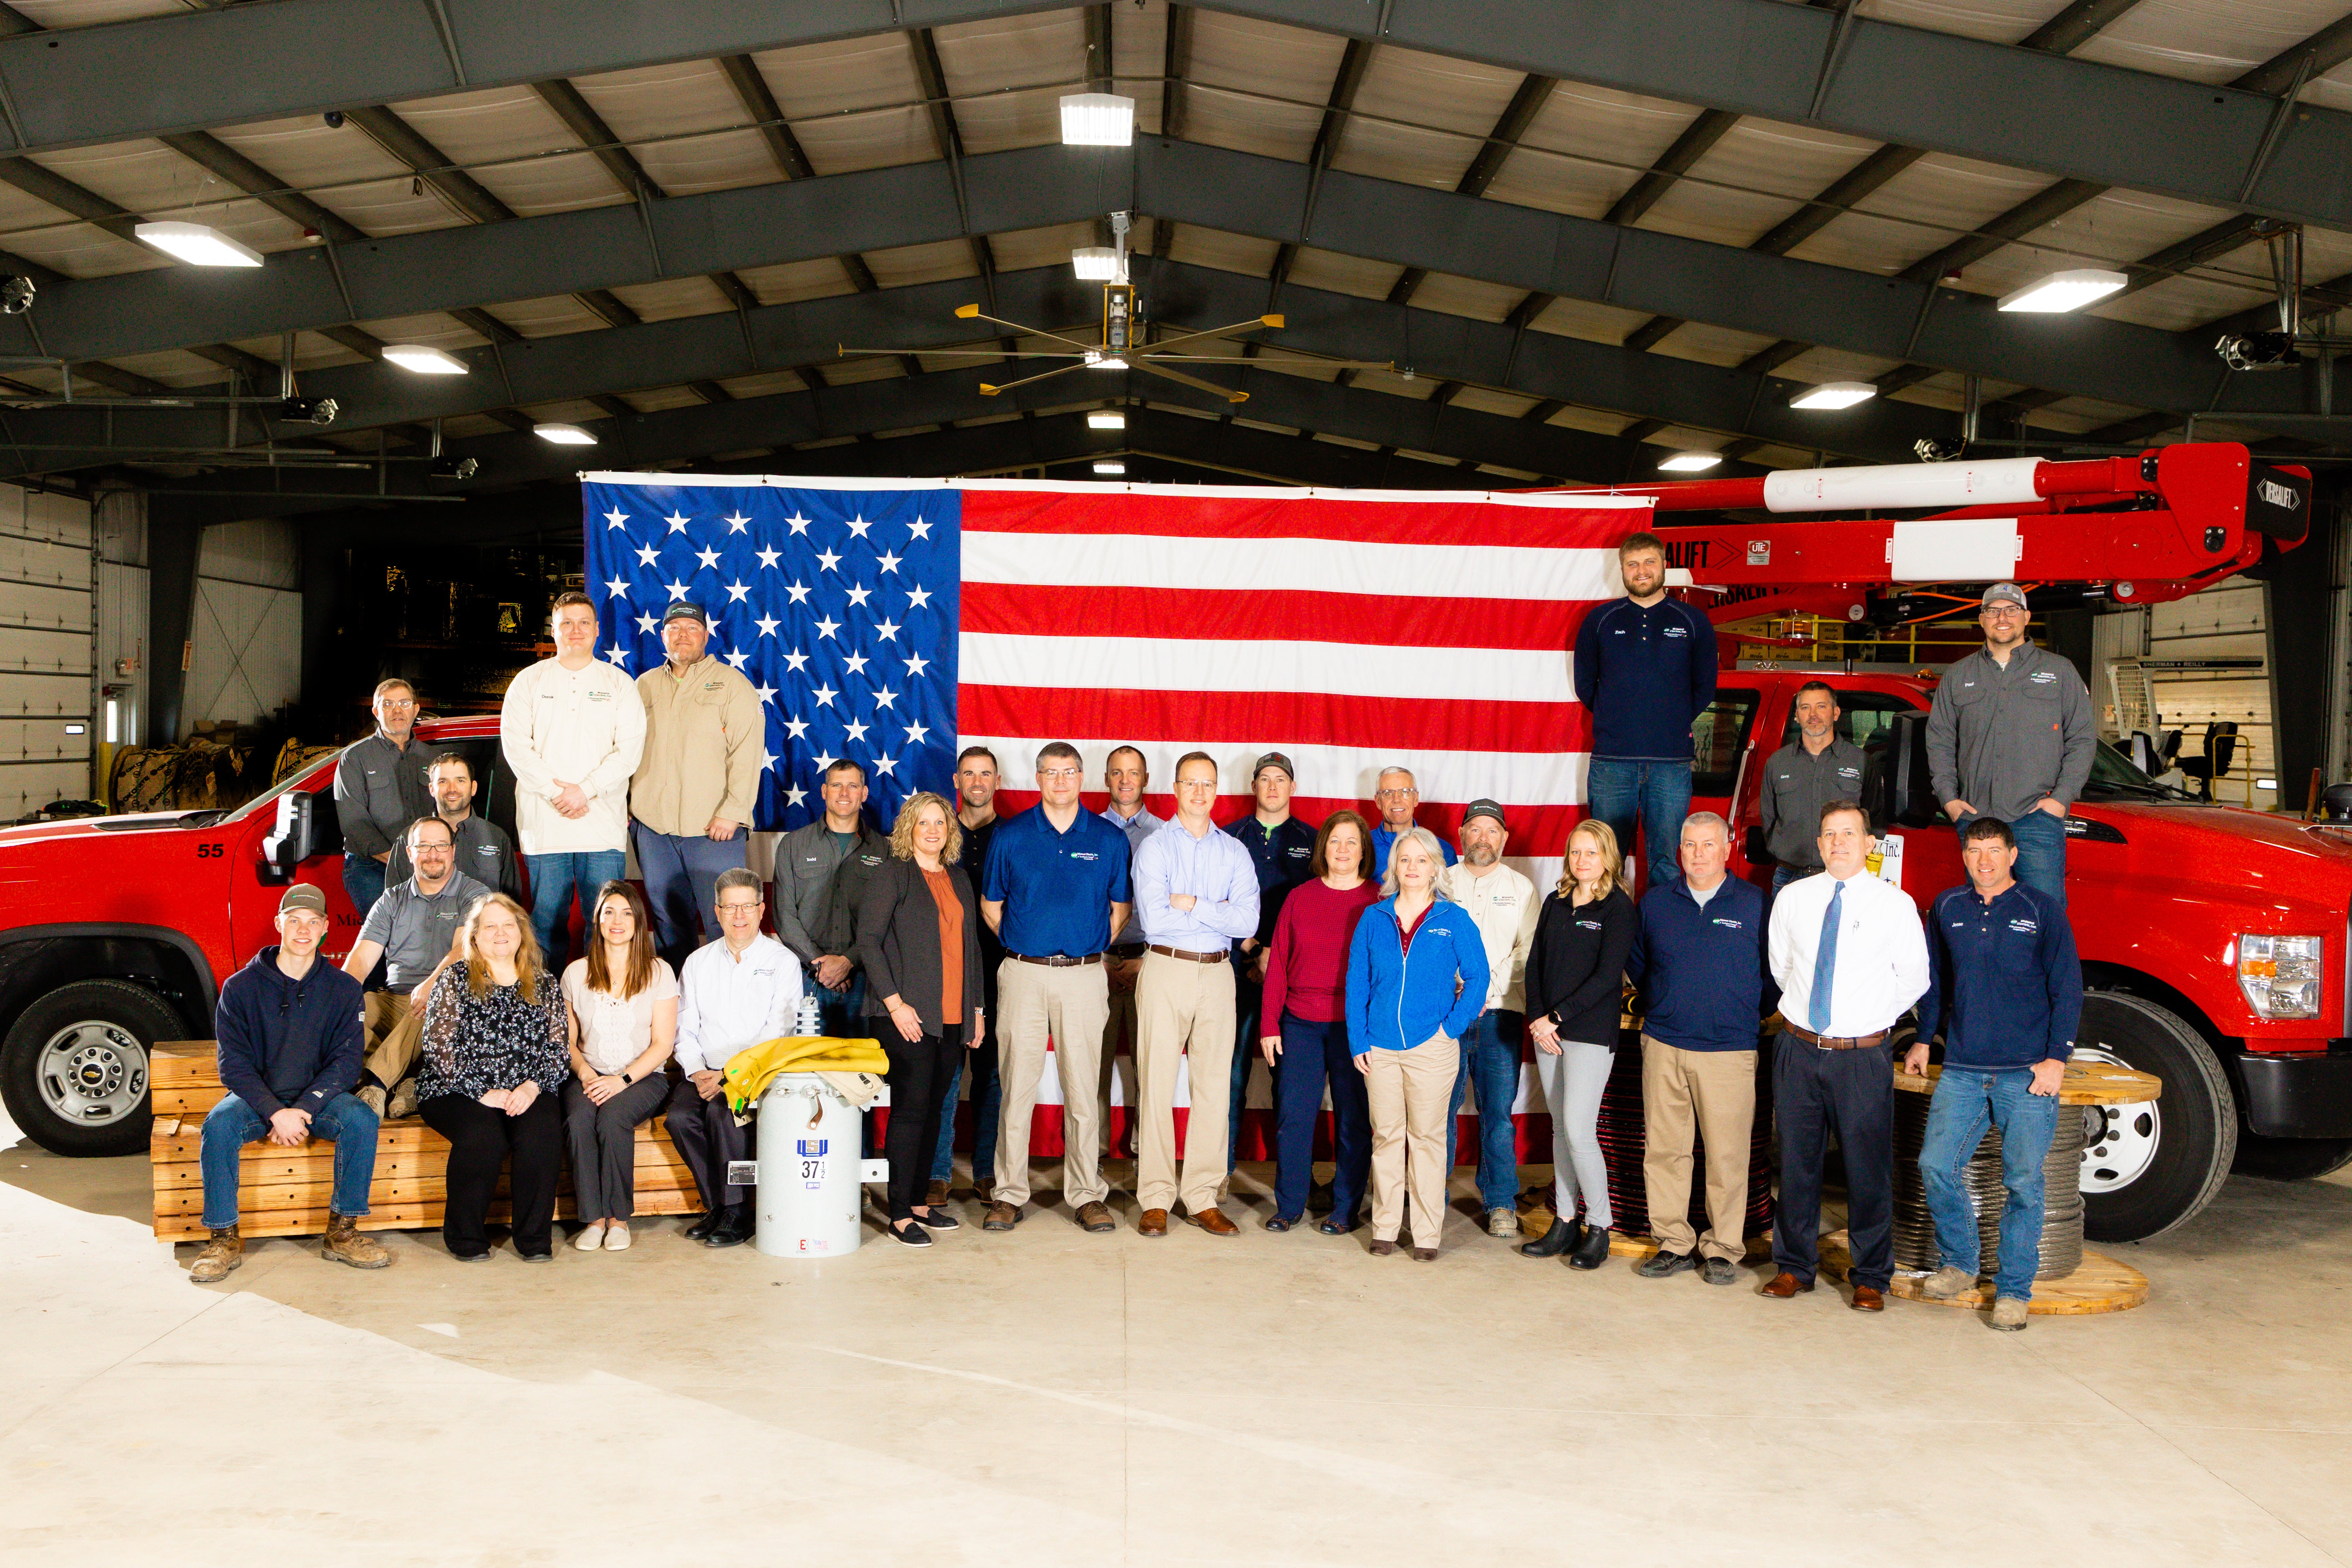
(1662, 1263)
(1564, 1233)
(1335, 1225)
(1591, 1248)
(734, 1229)
(704, 1225)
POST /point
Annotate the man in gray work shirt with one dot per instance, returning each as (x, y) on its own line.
(807, 861)
(1816, 768)
(2010, 736)
(414, 929)
(379, 791)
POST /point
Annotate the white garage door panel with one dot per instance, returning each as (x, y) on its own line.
(44, 695)
(23, 560)
(43, 605)
(42, 740)
(45, 653)
(26, 788)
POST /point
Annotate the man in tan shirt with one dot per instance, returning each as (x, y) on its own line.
(697, 780)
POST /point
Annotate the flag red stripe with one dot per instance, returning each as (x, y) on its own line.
(1535, 829)
(1287, 515)
(1292, 718)
(1285, 615)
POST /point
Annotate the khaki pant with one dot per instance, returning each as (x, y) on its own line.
(1035, 1002)
(1411, 1094)
(1182, 1007)
(395, 1035)
(1715, 1093)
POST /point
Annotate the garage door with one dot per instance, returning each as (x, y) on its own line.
(46, 596)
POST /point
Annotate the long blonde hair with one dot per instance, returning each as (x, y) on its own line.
(530, 967)
(1612, 864)
(902, 832)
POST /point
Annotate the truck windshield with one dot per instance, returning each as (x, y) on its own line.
(2112, 777)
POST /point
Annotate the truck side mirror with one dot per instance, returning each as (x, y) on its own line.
(291, 842)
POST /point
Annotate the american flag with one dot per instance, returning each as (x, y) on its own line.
(894, 623)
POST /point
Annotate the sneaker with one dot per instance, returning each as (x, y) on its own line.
(1719, 1271)
(403, 1102)
(223, 1256)
(1946, 1283)
(1502, 1222)
(372, 1096)
(1662, 1263)
(2008, 1314)
(344, 1244)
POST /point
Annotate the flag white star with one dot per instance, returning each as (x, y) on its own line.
(767, 693)
(798, 727)
(855, 664)
(917, 664)
(914, 734)
(800, 523)
(857, 597)
(677, 590)
(884, 698)
(709, 557)
(767, 760)
(828, 560)
(767, 558)
(887, 631)
(826, 626)
(646, 554)
(917, 598)
(886, 764)
(823, 761)
(616, 518)
(735, 592)
(767, 625)
(676, 522)
(795, 796)
(617, 657)
(646, 624)
(795, 659)
(920, 530)
(825, 696)
(858, 526)
(856, 730)
(737, 523)
(798, 591)
(616, 589)
(888, 563)
(736, 659)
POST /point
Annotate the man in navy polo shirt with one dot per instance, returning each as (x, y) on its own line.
(2006, 986)
(1644, 667)
(1279, 846)
(1055, 888)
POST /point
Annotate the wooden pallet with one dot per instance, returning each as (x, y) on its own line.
(2100, 1285)
(284, 1191)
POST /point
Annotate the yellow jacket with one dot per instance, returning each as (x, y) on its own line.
(751, 1070)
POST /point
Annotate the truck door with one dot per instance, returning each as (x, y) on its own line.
(1721, 772)
(255, 885)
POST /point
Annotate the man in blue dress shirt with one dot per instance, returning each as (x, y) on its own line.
(1056, 888)
(1196, 894)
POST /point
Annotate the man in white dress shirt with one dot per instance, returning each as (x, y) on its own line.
(736, 992)
(1850, 957)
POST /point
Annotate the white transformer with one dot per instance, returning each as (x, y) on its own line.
(810, 1176)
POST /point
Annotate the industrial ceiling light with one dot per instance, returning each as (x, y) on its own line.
(198, 244)
(423, 360)
(1834, 395)
(1105, 419)
(1690, 462)
(1095, 263)
(2062, 291)
(454, 468)
(1112, 466)
(563, 434)
(1098, 120)
(308, 410)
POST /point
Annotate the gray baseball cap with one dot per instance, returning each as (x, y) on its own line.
(302, 896)
(2003, 592)
(1275, 759)
(685, 609)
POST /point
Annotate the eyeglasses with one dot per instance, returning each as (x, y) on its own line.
(395, 701)
(1397, 794)
(740, 909)
(2001, 612)
(1209, 784)
(1060, 773)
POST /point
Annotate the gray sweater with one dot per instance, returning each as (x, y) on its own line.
(2002, 738)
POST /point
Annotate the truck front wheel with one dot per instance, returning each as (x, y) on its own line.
(2150, 1166)
(73, 1070)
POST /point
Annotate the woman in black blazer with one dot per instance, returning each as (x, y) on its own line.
(1575, 984)
(919, 940)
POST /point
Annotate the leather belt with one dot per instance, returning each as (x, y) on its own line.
(1056, 960)
(1836, 1042)
(1189, 957)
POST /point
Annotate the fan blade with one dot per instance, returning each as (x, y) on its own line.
(1139, 363)
(988, 391)
(1252, 325)
(972, 353)
(972, 314)
(1264, 360)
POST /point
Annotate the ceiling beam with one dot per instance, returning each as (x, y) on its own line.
(1533, 93)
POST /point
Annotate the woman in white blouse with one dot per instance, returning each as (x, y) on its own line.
(624, 1005)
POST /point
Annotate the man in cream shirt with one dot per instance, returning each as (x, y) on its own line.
(573, 728)
(1503, 904)
(696, 783)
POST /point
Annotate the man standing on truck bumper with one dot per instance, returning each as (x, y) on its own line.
(288, 1033)
(573, 728)
(2005, 983)
(1644, 668)
(380, 789)
(697, 780)
(2010, 736)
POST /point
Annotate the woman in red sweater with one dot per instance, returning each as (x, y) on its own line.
(1306, 991)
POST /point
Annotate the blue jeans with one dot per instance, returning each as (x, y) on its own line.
(843, 1011)
(1312, 1054)
(681, 873)
(363, 882)
(1490, 1056)
(987, 1104)
(231, 1124)
(2041, 851)
(554, 879)
(1617, 791)
(1966, 1102)
(1784, 875)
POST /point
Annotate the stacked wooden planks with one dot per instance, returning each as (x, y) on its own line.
(284, 1191)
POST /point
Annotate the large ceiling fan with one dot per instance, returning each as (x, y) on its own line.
(1125, 342)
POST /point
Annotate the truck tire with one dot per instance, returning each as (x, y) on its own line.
(2150, 1167)
(73, 1069)
(2290, 1159)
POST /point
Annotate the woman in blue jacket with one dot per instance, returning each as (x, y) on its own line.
(1416, 979)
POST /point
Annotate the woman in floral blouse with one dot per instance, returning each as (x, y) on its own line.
(495, 1056)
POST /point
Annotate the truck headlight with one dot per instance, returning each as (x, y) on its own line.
(2279, 974)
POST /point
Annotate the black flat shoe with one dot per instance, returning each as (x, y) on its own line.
(704, 1225)
(1591, 1248)
(1564, 1233)
(914, 1235)
(938, 1219)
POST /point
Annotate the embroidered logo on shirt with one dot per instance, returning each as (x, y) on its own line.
(2029, 927)
(1849, 772)
(1676, 632)
(1588, 925)
(1728, 923)
(1083, 854)
(2042, 676)
(600, 697)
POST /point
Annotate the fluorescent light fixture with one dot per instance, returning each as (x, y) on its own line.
(2069, 291)
(1107, 361)
(1110, 466)
(1105, 419)
(423, 360)
(1690, 462)
(564, 434)
(1834, 395)
(1098, 120)
(1096, 264)
(196, 244)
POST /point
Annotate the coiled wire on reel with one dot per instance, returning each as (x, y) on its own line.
(2062, 1195)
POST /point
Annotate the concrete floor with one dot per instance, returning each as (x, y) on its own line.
(1053, 1397)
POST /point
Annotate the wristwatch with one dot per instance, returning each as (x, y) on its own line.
(626, 1080)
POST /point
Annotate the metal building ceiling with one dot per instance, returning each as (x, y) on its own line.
(1588, 232)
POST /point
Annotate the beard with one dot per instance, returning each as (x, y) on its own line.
(1481, 856)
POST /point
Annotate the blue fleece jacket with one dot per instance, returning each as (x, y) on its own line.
(1645, 674)
(1398, 998)
(1701, 968)
(285, 1043)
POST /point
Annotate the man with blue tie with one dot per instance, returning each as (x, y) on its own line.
(1850, 957)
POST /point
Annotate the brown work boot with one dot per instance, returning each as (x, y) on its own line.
(403, 1101)
(344, 1244)
(1095, 1216)
(935, 1195)
(370, 1096)
(220, 1258)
